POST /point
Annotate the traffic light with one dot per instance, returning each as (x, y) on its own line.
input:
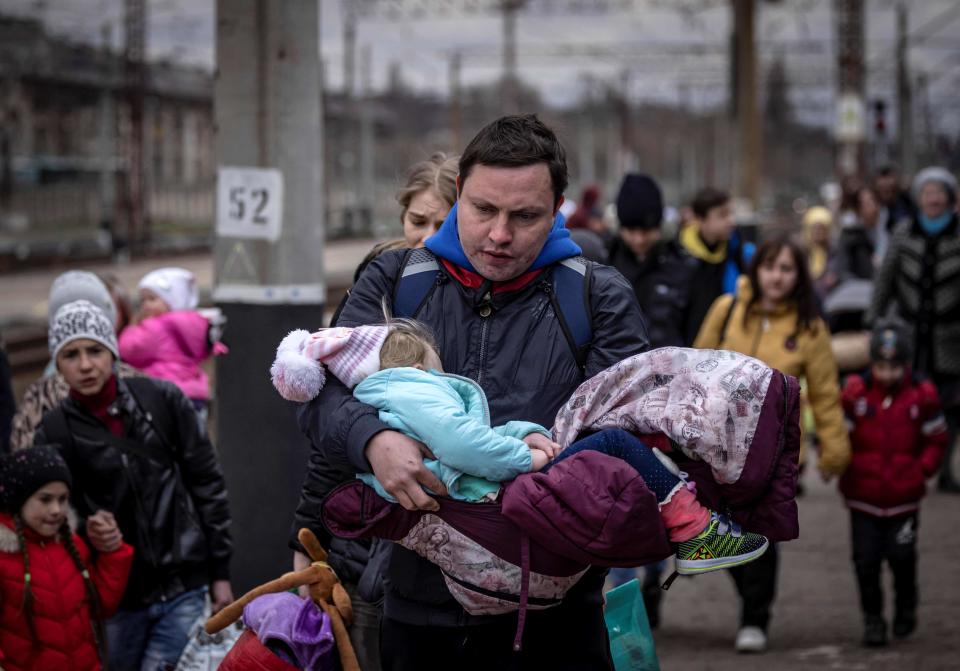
(880, 117)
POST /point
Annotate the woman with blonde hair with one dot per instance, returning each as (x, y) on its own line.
(426, 198)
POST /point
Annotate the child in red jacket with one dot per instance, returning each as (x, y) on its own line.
(897, 433)
(53, 593)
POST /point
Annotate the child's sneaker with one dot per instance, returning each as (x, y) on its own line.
(721, 545)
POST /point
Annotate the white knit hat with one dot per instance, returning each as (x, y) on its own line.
(79, 285)
(81, 319)
(176, 286)
(351, 354)
(935, 174)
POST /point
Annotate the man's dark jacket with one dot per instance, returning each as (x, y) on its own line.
(518, 355)
(662, 282)
(170, 500)
(855, 250)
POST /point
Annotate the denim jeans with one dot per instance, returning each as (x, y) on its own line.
(151, 639)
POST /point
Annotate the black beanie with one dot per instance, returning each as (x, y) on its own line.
(25, 471)
(639, 203)
(890, 342)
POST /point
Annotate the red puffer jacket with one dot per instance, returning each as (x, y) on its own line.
(61, 612)
(898, 437)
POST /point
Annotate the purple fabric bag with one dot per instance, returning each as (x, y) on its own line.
(592, 508)
(588, 509)
(303, 629)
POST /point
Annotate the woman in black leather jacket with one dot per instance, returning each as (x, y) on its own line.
(135, 449)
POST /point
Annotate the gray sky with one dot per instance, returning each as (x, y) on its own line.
(654, 41)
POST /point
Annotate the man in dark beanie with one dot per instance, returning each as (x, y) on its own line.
(659, 270)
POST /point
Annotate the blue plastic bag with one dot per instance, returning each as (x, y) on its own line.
(631, 643)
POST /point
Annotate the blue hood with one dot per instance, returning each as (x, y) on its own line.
(445, 243)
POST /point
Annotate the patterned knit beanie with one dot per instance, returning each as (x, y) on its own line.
(25, 471)
(81, 319)
(351, 354)
(79, 285)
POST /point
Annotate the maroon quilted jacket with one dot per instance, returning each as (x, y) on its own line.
(898, 437)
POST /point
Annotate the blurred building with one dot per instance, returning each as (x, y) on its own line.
(63, 115)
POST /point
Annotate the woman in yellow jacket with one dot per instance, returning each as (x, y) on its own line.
(773, 317)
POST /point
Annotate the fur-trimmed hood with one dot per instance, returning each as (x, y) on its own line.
(9, 543)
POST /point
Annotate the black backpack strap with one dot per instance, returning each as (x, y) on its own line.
(419, 274)
(141, 450)
(57, 430)
(148, 396)
(726, 320)
(570, 293)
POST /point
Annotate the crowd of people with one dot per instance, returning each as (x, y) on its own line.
(440, 378)
(115, 528)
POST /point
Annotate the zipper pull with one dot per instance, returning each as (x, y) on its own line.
(486, 309)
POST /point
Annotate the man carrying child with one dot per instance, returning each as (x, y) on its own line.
(497, 321)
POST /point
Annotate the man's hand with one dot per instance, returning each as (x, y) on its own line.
(538, 441)
(397, 462)
(221, 595)
(102, 531)
(538, 459)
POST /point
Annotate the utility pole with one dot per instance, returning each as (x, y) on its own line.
(748, 118)
(904, 94)
(510, 92)
(367, 199)
(586, 145)
(269, 276)
(851, 113)
(135, 52)
(628, 153)
(456, 104)
(349, 47)
(107, 127)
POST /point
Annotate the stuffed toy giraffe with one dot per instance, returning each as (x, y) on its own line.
(325, 591)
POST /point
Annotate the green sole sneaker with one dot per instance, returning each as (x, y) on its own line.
(721, 545)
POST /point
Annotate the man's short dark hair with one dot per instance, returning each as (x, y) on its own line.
(516, 141)
(888, 170)
(706, 199)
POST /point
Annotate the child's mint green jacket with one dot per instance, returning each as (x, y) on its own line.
(449, 414)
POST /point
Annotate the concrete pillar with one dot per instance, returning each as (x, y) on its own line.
(267, 111)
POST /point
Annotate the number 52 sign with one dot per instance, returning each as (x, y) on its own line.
(249, 203)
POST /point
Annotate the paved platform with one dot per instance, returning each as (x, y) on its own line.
(816, 618)
(25, 293)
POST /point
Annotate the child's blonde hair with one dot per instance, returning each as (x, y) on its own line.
(407, 344)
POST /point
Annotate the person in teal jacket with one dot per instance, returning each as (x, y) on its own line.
(450, 414)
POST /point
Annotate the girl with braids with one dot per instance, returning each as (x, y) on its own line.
(54, 592)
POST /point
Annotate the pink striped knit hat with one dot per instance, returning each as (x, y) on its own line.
(351, 354)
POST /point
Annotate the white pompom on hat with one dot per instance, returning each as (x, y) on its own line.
(176, 286)
(351, 354)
